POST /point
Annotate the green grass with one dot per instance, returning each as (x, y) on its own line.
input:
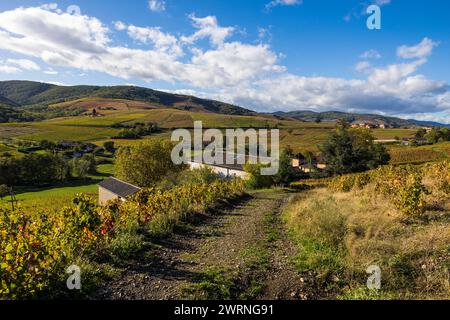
(385, 134)
(59, 195)
(213, 284)
(4, 148)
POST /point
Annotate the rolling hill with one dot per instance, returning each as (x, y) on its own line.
(33, 96)
(5, 102)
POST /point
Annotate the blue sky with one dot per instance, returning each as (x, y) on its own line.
(267, 56)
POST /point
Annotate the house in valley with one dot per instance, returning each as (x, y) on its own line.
(300, 162)
(113, 189)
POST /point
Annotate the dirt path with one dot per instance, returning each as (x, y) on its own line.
(238, 253)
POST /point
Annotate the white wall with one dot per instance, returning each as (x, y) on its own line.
(223, 172)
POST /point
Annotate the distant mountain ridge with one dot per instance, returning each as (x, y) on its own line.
(355, 117)
(429, 123)
(29, 94)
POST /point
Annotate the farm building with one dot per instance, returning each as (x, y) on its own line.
(227, 169)
(112, 189)
(224, 170)
(303, 164)
(369, 125)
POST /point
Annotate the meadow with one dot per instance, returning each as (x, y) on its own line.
(53, 198)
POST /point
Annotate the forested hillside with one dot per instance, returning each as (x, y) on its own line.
(37, 98)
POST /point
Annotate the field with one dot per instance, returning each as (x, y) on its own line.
(403, 155)
(103, 104)
(298, 135)
(59, 195)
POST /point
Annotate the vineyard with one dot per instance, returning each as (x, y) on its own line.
(404, 186)
(36, 248)
(422, 154)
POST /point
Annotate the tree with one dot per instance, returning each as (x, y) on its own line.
(4, 191)
(256, 180)
(10, 173)
(352, 150)
(42, 168)
(309, 157)
(445, 133)
(146, 164)
(109, 146)
(420, 133)
(342, 123)
(80, 167)
(47, 145)
(434, 136)
(286, 172)
(90, 159)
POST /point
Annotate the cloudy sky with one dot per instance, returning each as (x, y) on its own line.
(261, 54)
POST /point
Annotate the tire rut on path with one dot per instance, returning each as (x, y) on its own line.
(225, 242)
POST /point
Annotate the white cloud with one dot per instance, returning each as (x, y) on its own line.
(51, 72)
(363, 66)
(419, 51)
(9, 70)
(208, 28)
(370, 54)
(119, 25)
(82, 42)
(24, 64)
(50, 6)
(162, 41)
(276, 3)
(395, 90)
(157, 5)
(382, 2)
(246, 74)
(361, 9)
(235, 62)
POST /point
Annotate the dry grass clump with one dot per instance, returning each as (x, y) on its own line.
(341, 234)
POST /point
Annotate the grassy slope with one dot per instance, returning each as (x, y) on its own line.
(60, 195)
(341, 234)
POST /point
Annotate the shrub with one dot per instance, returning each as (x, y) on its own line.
(126, 242)
(35, 248)
(349, 182)
(256, 179)
(439, 174)
(403, 186)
